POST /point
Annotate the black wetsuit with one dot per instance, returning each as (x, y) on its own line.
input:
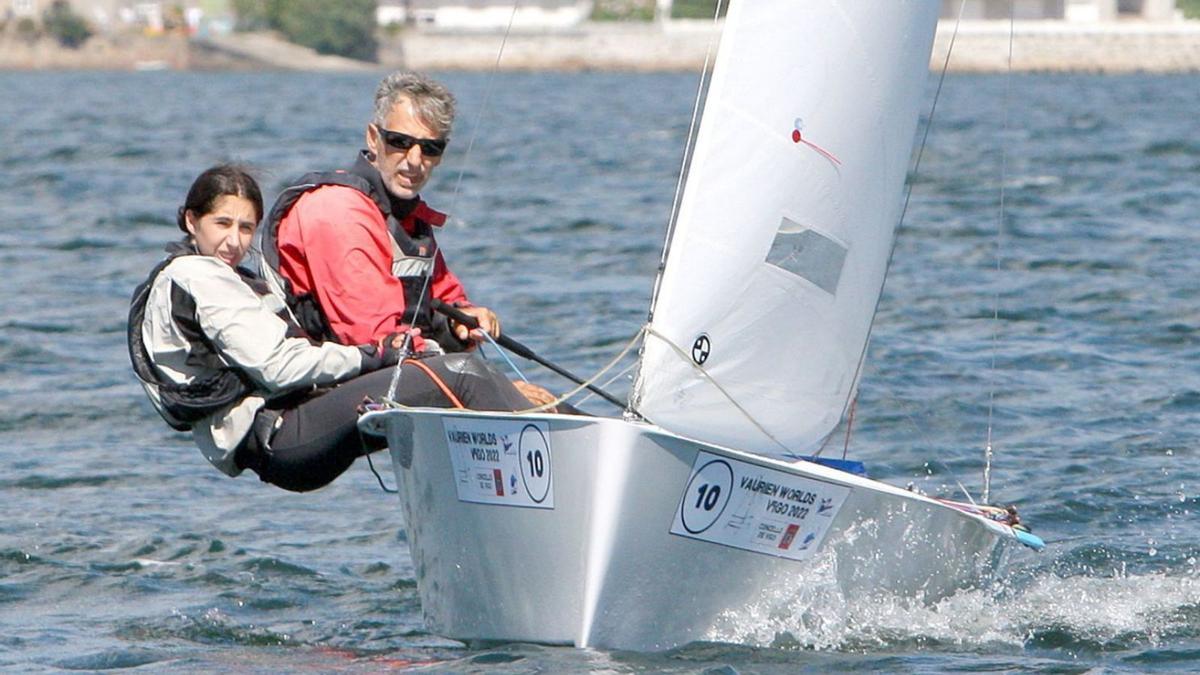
(318, 439)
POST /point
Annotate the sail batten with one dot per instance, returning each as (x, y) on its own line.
(784, 228)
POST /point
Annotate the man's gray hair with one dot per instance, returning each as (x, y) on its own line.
(432, 101)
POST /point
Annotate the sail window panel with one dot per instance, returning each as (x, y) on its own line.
(809, 255)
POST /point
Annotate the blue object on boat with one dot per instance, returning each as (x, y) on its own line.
(1029, 539)
(847, 465)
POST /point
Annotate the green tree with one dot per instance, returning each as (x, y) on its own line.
(696, 9)
(345, 28)
(623, 10)
(256, 14)
(27, 30)
(70, 29)
(1191, 8)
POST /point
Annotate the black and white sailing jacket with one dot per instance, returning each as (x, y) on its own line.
(202, 320)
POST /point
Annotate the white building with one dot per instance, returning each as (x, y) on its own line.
(150, 15)
(102, 14)
(1066, 10)
(485, 15)
(1074, 11)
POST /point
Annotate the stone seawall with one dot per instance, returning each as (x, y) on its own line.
(124, 52)
(1047, 46)
(979, 46)
(678, 46)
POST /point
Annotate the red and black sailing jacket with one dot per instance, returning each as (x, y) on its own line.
(343, 246)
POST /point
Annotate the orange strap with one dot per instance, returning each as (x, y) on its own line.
(438, 381)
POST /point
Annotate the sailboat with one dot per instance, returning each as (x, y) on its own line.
(642, 532)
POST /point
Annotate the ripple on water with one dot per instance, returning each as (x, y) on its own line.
(37, 482)
(122, 221)
(270, 566)
(1095, 379)
(1186, 148)
(117, 659)
(211, 626)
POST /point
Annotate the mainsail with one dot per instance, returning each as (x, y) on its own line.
(785, 225)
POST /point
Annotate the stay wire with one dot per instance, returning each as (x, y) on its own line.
(697, 105)
(937, 95)
(394, 385)
(988, 452)
(672, 220)
(605, 384)
(586, 383)
(504, 356)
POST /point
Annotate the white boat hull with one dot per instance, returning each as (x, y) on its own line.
(602, 561)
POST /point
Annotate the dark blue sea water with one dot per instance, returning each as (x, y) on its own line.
(1072, 323)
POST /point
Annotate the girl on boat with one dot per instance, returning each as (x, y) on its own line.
(217, 353)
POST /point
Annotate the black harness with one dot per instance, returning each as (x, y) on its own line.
(182, 405)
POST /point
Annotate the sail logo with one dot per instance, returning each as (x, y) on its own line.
(788, 537)
(701, 348)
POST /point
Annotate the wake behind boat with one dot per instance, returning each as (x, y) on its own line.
(644, 532)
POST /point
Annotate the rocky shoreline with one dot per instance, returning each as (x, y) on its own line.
(981, 46)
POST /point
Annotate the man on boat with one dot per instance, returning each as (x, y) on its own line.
(357, 247)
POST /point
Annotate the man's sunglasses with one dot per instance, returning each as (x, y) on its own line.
(430, 147)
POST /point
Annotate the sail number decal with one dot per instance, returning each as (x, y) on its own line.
(711, 484)
(754, 508)
(505, 462)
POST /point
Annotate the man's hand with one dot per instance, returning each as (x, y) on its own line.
(396, 340)
(488, 323)
(537, 395)
(387, 352)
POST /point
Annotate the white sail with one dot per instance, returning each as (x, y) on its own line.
(786, 222)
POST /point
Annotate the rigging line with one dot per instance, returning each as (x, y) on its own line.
(849, 426)
(394, 384)
(937, 95)
(383, 486)
(954, 478)
(504, 356)
(988, 448)
(487, 96)
(908, 415)
(591, 380)
(701, 87)
(604, 385)
(379, 478)
(849, 418)
(746, 413)
(705, 75)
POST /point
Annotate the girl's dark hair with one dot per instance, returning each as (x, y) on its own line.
(219, 181)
